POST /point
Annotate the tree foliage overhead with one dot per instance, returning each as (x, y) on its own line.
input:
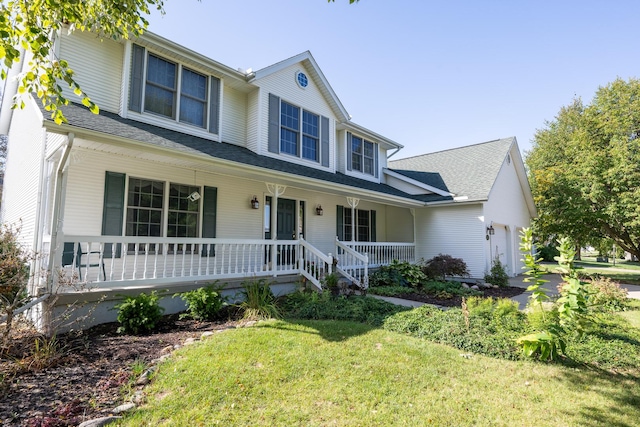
(584, 168)
(28, 29)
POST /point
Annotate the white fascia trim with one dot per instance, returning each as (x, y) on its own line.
(361, 130)
(162, 45)
(416, 183)
(99, 136)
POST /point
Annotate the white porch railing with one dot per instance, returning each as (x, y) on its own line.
(383, 253)
(112, 261)
(104, 261)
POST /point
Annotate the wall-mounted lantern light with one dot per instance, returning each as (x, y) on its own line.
(255, 204)
(490, 230)
(319, 210)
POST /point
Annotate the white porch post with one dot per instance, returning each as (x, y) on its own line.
(275, 191)
(353, 203)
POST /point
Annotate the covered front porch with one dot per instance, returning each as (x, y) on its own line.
(109, 262)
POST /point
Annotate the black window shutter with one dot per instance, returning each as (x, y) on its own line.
(214, 105)
(373, 226)
(274, 123)
(137, 78)
(324, 138)
(349, 159)
(209, 216)
(113, 209)
(340, 223)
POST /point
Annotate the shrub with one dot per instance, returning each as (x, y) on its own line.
(447, 289)
(317, 306)
(605, 295)
(398, 274)
(259, 301)
(497, 275)
(139, 314)
(441, 266)
(14, 275)
(548, 253)
(204, 303)
(390, 291)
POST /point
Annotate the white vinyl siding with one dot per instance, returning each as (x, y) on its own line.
(507, 207)
(457, 231)
(22, 175)
(97, 65)
(234, 120)
(254, 123)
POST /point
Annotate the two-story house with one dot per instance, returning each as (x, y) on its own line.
(194, 172)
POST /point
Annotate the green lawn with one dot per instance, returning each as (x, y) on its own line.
(622, 271)
(334, 373)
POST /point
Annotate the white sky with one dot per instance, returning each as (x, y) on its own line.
(430, 75)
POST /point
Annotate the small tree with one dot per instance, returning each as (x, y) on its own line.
(441, 266)
(14, 276)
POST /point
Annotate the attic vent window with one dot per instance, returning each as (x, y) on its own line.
(508, 159)
(302, 80)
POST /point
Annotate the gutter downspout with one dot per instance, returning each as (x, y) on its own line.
(393, 154)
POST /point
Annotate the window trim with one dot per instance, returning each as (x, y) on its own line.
(138, 84)
(362, 157)
(275, 127)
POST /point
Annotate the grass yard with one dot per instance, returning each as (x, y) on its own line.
(337, 373)
(622, 271)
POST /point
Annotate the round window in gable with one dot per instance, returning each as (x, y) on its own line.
(302, 80)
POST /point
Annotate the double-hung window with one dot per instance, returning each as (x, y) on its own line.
(362, 156)
(364, 223)
(158, 209)
(165, 88)
(298, 132)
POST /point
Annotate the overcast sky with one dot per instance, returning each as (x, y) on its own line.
(430, 75)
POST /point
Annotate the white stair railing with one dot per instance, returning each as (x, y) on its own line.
(314, 265)
(352, 265)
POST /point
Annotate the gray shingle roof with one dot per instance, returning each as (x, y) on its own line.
(467, 171)
(112, 124)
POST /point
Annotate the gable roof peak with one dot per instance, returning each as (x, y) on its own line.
(307, 59)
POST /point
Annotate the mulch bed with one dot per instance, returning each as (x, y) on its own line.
(456, 300)
(84, 382)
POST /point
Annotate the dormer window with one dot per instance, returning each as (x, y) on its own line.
(297, 132)
(362, 156)
(168, 89)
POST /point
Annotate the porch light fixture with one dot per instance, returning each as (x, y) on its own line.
(319, 210)
(255, 204)
(490, 230)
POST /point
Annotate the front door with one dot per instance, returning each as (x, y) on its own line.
(286, 227)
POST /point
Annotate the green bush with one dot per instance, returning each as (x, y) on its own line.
(605, 295)
(140, 314)
(548, 253)
(258, 300)
(315, 306)
(398, 274)
(390, 291)
(448, 289)
(497, 275)
(441, 266)
(204, 303)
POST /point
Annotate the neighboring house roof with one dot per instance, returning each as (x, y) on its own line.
(466, 172)
(112, 124)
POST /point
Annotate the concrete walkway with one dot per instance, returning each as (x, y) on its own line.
(551, 287)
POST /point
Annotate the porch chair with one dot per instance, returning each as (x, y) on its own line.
(68, 255)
